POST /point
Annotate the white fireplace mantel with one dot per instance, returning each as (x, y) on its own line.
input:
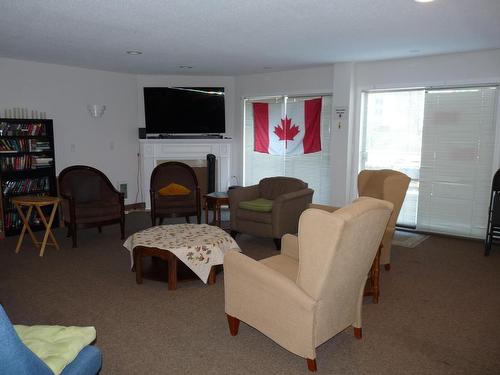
(153, 150)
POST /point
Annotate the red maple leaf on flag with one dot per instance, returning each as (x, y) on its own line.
(286, 131)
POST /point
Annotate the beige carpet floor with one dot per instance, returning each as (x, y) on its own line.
(439, 311)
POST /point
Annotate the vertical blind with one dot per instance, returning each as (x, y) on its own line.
(312, 168)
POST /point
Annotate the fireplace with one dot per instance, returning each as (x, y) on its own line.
(209, 158)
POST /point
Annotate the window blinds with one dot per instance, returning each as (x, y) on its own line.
(444, 140)
(312, 168)
(456, 160)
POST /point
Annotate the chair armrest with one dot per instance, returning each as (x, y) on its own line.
(290, 246)
(323, 207)
(245, 279)
(287, 209)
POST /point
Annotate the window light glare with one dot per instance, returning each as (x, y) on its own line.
(423, 1)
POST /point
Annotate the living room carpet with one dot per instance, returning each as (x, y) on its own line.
(438, 311)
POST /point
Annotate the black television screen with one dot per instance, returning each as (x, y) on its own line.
(184, 110)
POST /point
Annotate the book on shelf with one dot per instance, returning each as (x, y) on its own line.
(25, 186)
(10, 129)
(12, 145)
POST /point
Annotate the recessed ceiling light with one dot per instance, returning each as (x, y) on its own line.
(134, 52)
(185, 67)
(423, 1)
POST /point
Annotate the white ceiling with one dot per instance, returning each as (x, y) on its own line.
(232, 37)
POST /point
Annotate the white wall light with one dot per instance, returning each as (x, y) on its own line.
(96, 110)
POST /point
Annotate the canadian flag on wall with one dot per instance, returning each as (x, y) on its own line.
(294, 133)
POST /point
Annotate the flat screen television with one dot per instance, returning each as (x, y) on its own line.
(184, 110)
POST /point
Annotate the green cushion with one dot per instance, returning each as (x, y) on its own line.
(259, 205)
(57, 346)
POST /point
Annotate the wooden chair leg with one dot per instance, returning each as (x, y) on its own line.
(188, 220)
(73, 234)
(122, 227)
(358, 332)
(277, 243)
(234, 324)
(311, 365)
(99, 229)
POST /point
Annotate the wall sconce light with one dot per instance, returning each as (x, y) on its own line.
(96, 110)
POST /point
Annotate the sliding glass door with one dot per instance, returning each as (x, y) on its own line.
(444, 140)
(392, 139)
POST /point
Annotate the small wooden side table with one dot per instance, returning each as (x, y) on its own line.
(37, 203)
(217, 200)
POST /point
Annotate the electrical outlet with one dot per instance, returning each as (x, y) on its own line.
(123, 188)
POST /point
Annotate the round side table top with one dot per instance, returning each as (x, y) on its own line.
(32, 200)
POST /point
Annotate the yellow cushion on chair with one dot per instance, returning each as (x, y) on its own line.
(174, 189)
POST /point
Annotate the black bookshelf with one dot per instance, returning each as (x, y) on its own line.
(27, 167)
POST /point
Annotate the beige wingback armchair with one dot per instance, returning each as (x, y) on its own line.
(286, 199)
(314, 288)
(391, 186)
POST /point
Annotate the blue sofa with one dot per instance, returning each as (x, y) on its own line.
(17, 359)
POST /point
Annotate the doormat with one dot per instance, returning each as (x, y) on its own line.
(408, 239)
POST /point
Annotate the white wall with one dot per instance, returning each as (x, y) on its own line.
(109, 143)
(481, 67)
(64, 92)
(347, 80)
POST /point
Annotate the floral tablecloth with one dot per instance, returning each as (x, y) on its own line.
(199, 246)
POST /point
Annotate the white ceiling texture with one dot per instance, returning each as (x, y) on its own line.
(233, 37)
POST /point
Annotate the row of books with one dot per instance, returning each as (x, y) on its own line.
(13, 220)
(22, 145)
(25, 186)
(13, 145)
(19, 163)
(21, 129)
(36, 145)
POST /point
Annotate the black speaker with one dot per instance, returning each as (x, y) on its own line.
(142, 133)
(210, 173)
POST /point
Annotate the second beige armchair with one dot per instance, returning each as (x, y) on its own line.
(269, 209)
(391, 186)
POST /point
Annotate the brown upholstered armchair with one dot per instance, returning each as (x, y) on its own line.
(269, 209)
(174, 192)
(89, 199)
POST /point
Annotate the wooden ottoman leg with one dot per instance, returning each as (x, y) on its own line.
(172, 272)
(138, 265)
(212, 277)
